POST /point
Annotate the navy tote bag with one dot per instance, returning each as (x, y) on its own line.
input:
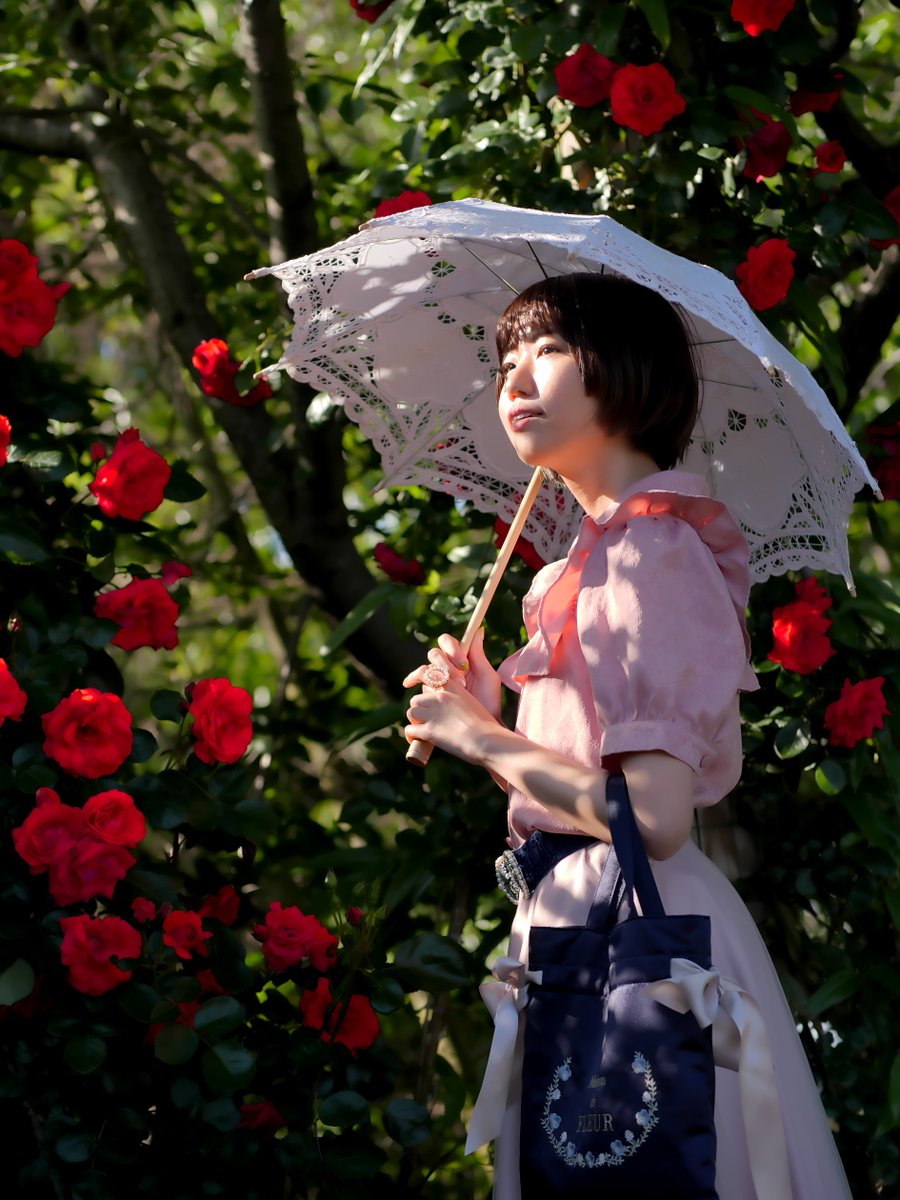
(617, 1089)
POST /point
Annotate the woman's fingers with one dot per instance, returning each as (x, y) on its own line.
(453, 651)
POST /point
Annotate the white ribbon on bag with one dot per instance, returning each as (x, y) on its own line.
(505, 998)
(740, 1043)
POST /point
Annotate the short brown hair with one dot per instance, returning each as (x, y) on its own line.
(633, 348)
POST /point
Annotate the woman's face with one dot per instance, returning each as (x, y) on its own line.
(548, 416)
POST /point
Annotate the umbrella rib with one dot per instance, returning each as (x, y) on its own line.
(487, 267)
(537, 260)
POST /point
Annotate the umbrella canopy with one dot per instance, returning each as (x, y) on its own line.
(397, 323)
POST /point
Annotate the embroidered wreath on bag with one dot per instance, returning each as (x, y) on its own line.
(646, 1118)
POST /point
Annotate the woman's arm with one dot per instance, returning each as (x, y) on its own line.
(660, 786)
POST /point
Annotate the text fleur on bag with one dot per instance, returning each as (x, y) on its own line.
(646, 1118)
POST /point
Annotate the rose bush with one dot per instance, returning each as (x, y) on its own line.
(132, 1000)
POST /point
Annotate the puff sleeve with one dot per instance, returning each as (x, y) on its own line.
(665, 648)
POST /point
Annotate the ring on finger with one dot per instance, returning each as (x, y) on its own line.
(435, 676)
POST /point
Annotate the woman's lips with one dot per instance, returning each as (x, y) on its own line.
(521, 416)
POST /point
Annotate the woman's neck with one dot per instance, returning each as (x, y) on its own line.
(602, 483)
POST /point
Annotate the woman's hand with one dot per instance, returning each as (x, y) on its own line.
(451, 719)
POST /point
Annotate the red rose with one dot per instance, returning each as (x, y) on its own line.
(263, 1116)
(88, 733)
(645, 98)
(369, 10)
(892, 204)
(27, 303)
(354, 916)
(145, 612)
(112, 817)
(5, 439)
(759, 15)
(12, 698)
(209, 984)
(764, 279)
(767, 150)
(50, 830)
(804, 100)
(353, 1024)
(223, 906)
(91, 868)
(830, 157)
(144, 910)
(403, 203)
(524, 548)
(89, 946)
(132, 481)
(17, 266)
(800, 632)
(811, 592)
(98, 452)
(171, 572)
(289, 935)
(397, 569)
(222, 727)
(585, 77)
(217, 369)
(184, 932)
(858, 712)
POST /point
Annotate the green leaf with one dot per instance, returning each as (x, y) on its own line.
(145, 746)
(228, 1067)
(85, 1054)
(182, 485)
(407, 1122)
(222, 1114)
(388, 995)
(343, 1109)
(16, 982)
(357, 616)
(75, 1147)
(793, 738)
(219, 1015)
(838, 988)
(185, 1093)
(658, 19)
(175, 1045)
(430, 962)
(527, 42)
(166, 705)
(762, 103)
(157, 887)
(19, 546)
(830, 777)
(138, 1000)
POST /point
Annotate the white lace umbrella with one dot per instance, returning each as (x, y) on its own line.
(397, 323)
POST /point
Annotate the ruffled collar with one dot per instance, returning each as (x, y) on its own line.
(551, 600)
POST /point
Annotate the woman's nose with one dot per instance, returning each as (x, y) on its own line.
(519, 381)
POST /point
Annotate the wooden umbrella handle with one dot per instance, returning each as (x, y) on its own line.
(420, 752)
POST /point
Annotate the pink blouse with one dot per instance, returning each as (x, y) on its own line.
(637, 641)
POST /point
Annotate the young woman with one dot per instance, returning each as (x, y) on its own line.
(637, 654)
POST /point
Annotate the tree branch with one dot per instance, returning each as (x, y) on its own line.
(43, 132)
(282, 151)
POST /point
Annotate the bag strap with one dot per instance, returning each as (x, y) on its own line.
(629, 847)
(608, 897)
